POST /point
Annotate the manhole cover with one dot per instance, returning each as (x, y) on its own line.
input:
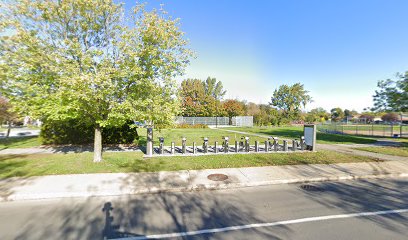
(217, 177)
(312, 188)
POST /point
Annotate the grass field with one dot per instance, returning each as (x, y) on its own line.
(79, 163)
(378, 130)
(396, 151)
(196, 135)
(296, 132)
(19, 142)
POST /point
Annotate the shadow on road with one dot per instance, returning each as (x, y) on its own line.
(367, 196)
(142, 215)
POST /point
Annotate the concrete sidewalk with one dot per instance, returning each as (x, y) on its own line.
(109, 184)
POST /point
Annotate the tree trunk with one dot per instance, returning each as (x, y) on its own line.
(98, 144)
(8, 129)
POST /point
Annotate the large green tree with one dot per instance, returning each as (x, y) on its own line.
(317, 115)
(337, 114)
(214, 89)
(392, 95)
(233, 108)
(83, 59)
(289, 99)
(201, 98)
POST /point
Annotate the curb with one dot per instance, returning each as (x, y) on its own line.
(199, 187)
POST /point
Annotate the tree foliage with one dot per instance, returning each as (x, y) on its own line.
(214, 89)
(82, 59)
(317, 115)
(391, 117)
(289, 99)
(367, 117)
(337, 114)
(201, 98)
(392, 94)
(233, 108)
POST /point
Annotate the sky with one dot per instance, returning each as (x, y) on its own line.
(338, 49)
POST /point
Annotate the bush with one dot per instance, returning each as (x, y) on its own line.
(75, 132)
(186, 125)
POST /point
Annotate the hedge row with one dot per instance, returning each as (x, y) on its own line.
(76, 132)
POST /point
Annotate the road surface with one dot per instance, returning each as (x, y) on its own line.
(375, 209)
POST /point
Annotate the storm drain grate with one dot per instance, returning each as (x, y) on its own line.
(311, 188)
(217, 177)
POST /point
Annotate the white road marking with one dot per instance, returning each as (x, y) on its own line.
(259, 225)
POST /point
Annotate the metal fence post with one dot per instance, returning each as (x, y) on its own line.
(392, 130)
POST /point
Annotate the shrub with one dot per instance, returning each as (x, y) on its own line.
(75, 132)
(186, 125)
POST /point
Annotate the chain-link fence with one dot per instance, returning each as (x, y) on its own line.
(379, 130)
(241, 121)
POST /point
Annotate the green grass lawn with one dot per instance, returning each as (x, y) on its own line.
(79, 163)
(19, 142)
(196, 135)
(396, 151)
(296, 132)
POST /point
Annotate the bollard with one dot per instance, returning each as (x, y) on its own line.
(149, 142)
(183, 145)
(246, 144)
(161, 148)
(285, 145)
(216, 147)
(205, 145)
(266, 146)
(294, 145)
(275, 144)
(226, 145)
(256, 146)
(241, 143)
(236, 146)
(172, 148)
(269, 141)
(302, 143)
(194, 148)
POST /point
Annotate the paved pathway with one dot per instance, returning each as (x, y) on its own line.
(21, 132)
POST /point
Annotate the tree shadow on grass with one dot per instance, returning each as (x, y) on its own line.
(15, 142)
(9, 169)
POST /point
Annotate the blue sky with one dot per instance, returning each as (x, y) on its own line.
(338, 49)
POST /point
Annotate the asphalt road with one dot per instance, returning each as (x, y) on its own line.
(281, 212)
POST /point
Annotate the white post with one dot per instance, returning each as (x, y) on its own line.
(149, 143)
